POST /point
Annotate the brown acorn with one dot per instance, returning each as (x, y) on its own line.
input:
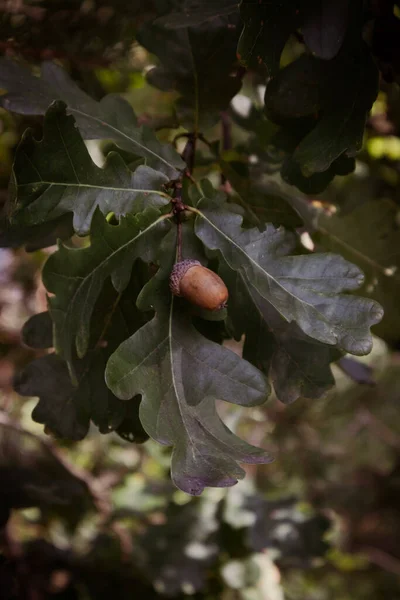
(199, 285)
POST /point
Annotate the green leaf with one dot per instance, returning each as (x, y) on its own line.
(267, 27)
(37, 332)
(59, 406)
(317, 182)
(111, 118)
(369, 235)
(66, 408)
(34, 237)
(77, 276)
(197, 12)
(297, 365)
(322, 107)
(67, 413)
(200, 64)
(349, 86)
(263, 203)
(294, 92)
(56, 176)
(180, 374)
(324, 26)
(305, 289)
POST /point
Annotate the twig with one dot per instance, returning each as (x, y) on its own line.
(188, 156)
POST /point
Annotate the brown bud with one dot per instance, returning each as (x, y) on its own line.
(198, 284)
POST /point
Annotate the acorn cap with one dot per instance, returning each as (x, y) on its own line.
(179, 270)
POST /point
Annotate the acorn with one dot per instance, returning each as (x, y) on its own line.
(200, 286)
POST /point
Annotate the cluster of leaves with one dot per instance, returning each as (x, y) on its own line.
(320, 100)
(130, 357)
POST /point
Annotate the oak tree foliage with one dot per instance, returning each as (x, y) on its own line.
(127, 355)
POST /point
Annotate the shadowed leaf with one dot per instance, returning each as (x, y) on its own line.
(59, 405)
(112, 118)
(77, 276)
(56, 176)
(267, 26)
(35, 237)
(186, 56)
(37, 332)
(324, 26)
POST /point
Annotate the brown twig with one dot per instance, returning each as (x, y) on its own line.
(179, 206)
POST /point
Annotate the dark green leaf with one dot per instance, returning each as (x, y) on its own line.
(267, 27)
(324, 26)
(294, 92)
(77, 276)
(67, 413)
(59, 403)
(35, 237)
(348, 88)
(305, 289)
(317, 182)
(37, 332)
(263, 204)
(369, 235)
(112, 118)
(180, 374)
(56, 176)
(297, 365)
(200, 64)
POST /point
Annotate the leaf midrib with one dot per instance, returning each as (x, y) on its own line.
(122, 134)
(249, 258)
(248, 286)
(97, 187)
(270, 277)
(71, 305)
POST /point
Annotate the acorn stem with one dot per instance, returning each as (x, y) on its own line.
(179, 241)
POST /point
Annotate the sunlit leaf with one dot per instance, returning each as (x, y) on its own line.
(305, 289)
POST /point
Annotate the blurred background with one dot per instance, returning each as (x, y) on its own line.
(100, 519)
